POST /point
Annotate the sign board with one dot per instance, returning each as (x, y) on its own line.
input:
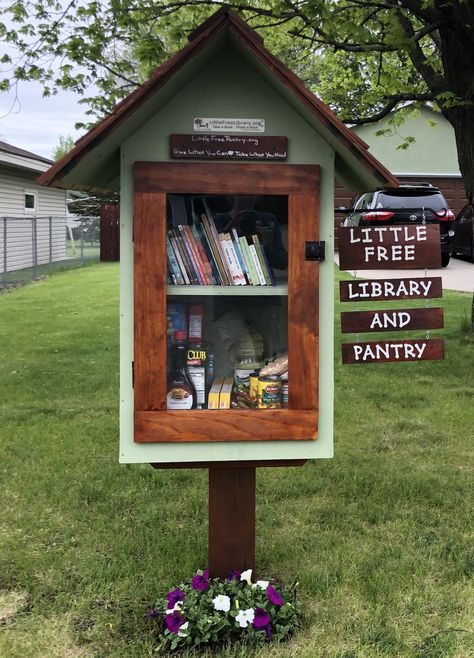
(228, 147)
(399, 246)
(393, 350)
(384, 290)
(206, 124)
(392, 320)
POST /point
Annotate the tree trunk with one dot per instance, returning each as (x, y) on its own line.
(457, 52)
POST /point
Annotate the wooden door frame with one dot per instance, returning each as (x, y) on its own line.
(152, 181)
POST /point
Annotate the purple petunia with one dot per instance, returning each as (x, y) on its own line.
(200, 582)
(274, 597)
(174, 620)
(174, 596)
(233, 575)
(261, 619)
(153, 613)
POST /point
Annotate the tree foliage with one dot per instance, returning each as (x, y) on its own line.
(363, 57)
(66, 143)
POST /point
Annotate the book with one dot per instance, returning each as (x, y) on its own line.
(220, 249)
(177, 240)
(240, 256)
(262, 259)
(179, 259)
(206, 229)
(203, 255)
(249, 260)
(230, 242)
(210, 254)
(186, 258)
(179, 214)
(173, 266)
(257, 265)
(231, 260)
(191, 256)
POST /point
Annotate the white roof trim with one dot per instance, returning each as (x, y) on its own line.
(432, 174)
(22, 162)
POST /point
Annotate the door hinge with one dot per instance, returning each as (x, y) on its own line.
(315, 250)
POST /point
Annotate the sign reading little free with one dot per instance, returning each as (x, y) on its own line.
(228, 147)
(394, 246)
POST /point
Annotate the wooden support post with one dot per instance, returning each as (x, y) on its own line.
(231, 520)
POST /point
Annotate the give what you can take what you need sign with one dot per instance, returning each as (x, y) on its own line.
(391, 247)
(228, 147)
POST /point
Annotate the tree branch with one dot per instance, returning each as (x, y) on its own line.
(392, 102)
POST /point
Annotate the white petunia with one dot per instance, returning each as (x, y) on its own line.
(263, 584)
(247, 576)
(221, 602)
(245, 617)
(182, 629)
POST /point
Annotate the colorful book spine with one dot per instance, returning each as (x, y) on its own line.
(217, 239)
(173, 266)
(249, 260)
(257, 265)
(230, 243)
(191, 255)
(210, 254)
(178, 257)
(240, 256)
(261, 258)
(230, 257)
(185, 258)
(215, 250)
(203, 256)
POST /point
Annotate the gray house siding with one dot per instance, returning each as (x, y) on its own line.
(30, 236)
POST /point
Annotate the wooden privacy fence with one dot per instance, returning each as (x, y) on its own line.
(110, 232)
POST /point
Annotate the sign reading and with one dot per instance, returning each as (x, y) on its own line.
(228, 147)
(383, 247)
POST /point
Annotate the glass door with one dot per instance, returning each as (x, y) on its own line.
(219, 288)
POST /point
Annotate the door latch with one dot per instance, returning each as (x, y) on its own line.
(315, 250)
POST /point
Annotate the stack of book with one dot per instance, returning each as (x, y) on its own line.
(198, 254)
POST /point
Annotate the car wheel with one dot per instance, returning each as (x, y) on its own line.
(445, 260)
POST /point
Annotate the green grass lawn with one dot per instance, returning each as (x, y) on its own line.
(380, 538)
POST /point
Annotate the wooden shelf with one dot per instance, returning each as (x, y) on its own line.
(281, 289)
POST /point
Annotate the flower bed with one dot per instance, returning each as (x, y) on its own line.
(208, 610)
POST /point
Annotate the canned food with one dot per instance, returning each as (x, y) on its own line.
(284, 395)
(253, 387)
(269, 393)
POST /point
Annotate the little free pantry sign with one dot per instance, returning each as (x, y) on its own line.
(384, 247)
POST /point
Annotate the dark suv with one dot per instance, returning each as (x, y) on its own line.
(407, 204)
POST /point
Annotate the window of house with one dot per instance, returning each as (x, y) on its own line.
(30, 201)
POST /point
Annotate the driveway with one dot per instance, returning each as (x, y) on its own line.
(458, 275)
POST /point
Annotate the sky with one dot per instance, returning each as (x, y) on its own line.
(36, 123)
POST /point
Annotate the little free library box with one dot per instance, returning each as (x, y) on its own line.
(225, 164)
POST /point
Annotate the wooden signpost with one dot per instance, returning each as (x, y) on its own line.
(398, 246)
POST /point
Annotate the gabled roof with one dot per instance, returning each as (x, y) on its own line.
(102, 142)
(18, 158)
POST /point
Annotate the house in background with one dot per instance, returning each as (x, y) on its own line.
(32, 218)
(431, 158)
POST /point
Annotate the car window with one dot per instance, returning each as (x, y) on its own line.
(362, 202)
(435, 200)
